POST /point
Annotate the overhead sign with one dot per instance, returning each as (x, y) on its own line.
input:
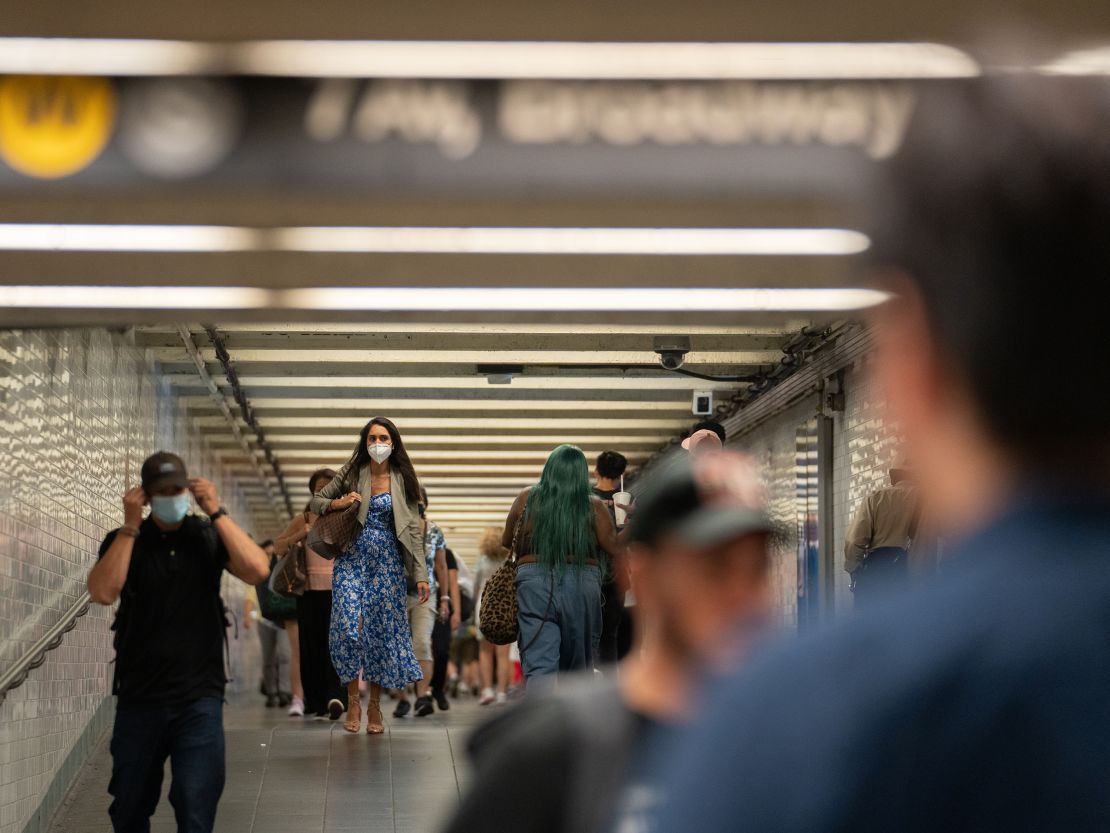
(53, 127)
(435, 134)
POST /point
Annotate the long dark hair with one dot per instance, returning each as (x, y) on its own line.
(399, 458)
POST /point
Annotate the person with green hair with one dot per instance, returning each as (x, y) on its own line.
(564, 542)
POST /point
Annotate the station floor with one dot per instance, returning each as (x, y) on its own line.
(287, 774)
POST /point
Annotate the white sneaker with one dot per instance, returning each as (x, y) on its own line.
(487, 697)
(297, 708)
(502, 698)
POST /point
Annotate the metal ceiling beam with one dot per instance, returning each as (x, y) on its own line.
(246, 412)
(186, 338)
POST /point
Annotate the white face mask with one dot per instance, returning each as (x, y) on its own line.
(379, 452)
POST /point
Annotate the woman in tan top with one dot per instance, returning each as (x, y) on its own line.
(323, 694)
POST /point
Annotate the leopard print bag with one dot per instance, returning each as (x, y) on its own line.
(497, 614)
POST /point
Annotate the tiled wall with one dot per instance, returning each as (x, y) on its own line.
(864, 446)
(81, 409)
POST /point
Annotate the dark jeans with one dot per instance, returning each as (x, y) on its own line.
(192, 737)
(559, 629)
(318, 677)
(884, 569)
(612, 617)
(441, 653)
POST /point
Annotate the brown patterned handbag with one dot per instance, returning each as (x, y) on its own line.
(497, 612)
(290, 575)
(334, 533)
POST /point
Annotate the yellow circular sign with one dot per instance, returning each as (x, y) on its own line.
(53, 126)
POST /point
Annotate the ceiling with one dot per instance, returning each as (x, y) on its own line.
(475, 444)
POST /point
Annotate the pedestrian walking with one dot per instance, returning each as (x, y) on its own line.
(370, 634)
(170, 636)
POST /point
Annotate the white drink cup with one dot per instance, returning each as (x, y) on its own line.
(618, 499)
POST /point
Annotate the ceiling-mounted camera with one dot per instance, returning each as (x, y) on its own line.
(672, 350)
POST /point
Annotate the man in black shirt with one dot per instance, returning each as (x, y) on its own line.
(608, 471)
(573, 761)
(169, 676)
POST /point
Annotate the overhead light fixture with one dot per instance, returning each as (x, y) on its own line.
(604, 60)
(432, 240)
(1080, 62)
(227, 298)
(584, 299)
(442, 299)
(486, 59)
(69, 237)
(574, 241)
(111, 56)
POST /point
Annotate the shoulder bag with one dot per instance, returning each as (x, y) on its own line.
(497, 613)
(334, 533)
(290, 575)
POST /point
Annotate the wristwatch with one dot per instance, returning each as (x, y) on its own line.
(219, 513)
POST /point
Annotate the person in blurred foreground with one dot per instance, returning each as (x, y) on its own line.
(980, 701)
(572, 761)
(877, 548)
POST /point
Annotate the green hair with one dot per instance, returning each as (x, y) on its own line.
(559, 511)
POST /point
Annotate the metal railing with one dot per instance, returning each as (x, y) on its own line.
(15, 675)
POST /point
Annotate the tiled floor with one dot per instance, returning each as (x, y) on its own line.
(286, 774)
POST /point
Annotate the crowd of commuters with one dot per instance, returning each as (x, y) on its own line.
(977, 698)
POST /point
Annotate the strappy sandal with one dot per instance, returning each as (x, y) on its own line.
(373, 728)
(354, 717)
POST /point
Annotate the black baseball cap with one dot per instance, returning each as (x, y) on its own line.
(162, 470)
(704, 500)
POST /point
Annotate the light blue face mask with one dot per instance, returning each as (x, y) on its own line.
(170, 510)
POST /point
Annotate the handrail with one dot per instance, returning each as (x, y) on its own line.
(35, 656)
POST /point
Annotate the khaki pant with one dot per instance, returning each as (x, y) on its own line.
(422, 618)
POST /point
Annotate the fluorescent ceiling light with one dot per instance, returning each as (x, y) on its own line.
(110, 56)
(442, 299)
(601, 60)
(545, 441)
(570, 423)
(382, 385)
(486, 59)
(1080, 62)
(381, 406)
(574, 241)
(283, 355)
(432, 240)
(231, 298)
(126, 238)
(594, 299)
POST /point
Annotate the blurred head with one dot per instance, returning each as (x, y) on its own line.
(381, 431)
(611, 465)
(489, 544)
(319, 479)
(698, 559)
(707, 435)
(559, 510)
(991, 231)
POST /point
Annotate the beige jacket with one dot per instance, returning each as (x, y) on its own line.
(407, 523)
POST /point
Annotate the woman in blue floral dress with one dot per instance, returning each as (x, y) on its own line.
(370, 626)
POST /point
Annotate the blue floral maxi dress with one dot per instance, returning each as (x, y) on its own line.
(368, 581)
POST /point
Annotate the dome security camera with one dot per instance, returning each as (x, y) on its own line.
(672, 351)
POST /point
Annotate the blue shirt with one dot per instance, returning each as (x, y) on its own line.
(433, 543)
(981, 702)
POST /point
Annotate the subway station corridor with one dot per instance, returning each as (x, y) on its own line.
(369, 278)
(293, 776)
